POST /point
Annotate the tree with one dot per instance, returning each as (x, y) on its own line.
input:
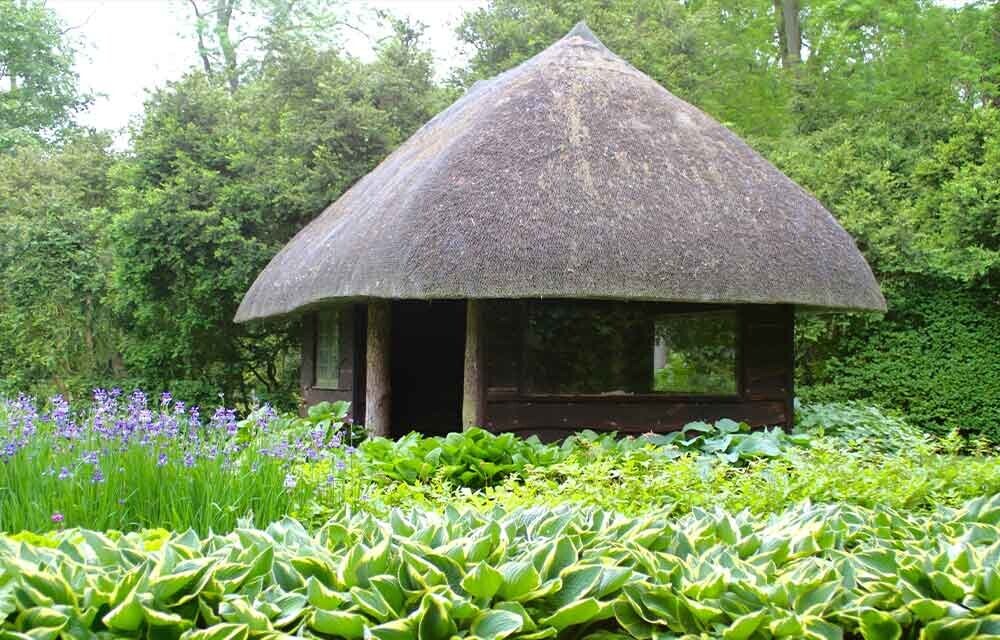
(221, 179)
(39, 92)
(56, 330)
(236, 37)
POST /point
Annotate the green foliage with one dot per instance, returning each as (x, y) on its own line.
(38, 87)
(860, 425)
(56, 332)
(473, 458)
(935, 357)
(220, 180)
(476, 458)
(813, 571)
(633, 481)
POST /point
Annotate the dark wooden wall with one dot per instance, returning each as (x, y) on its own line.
(351, 332)
(765, 390)
(765, 367)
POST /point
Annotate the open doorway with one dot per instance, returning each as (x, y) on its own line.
(427, 366)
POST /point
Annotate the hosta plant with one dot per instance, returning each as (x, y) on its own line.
(814, 571)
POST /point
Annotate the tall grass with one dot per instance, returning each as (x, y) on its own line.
(123, 464)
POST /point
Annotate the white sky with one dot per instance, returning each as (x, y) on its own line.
(130, 46)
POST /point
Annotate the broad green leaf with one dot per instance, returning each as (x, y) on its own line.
(495, 625)
(350, 626)
(483, 581)
(878, 625)
(434, 620)
(954, 629)
(579, 612)
(519, 579)
(577, 582)
(744, 626)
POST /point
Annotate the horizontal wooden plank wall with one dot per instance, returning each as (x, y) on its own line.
(311, 394)
(764, 368)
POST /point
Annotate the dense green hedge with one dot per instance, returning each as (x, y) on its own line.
(935, 357)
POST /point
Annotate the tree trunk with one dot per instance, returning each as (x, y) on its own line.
(789, 32)
(203, 52)
(473, 394)
(378, 392)
(224, 15)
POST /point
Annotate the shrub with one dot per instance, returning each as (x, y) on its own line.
(935, 358)
(813, 571)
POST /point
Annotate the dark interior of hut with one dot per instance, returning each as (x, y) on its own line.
(428, 353)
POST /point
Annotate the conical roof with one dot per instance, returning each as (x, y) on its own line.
(573, 175)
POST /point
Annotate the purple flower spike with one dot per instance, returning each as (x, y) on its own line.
(57, 517)
(65, 474)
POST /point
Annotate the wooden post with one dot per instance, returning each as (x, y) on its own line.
(378, 392)
(473, 392)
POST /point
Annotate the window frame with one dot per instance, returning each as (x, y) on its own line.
(332, 316)
(737, 349)
(654, 309)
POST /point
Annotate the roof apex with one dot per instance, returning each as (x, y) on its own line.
(581, 30)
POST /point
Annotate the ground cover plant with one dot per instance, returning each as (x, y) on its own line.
(812, 571)
(125, 462)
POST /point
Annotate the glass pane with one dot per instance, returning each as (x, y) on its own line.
(695, 353)
(619, 348)
(327, 349)
(590, 348)
(502, 325)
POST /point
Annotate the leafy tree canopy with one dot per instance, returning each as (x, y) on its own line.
(39, 92)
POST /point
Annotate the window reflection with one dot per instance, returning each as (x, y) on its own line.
(617, 348)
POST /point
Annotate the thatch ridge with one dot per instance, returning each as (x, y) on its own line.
(572, 175)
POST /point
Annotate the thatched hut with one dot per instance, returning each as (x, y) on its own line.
(568, 245)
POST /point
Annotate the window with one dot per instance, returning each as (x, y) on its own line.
(328, 349)
(695, 353)
(620, 348)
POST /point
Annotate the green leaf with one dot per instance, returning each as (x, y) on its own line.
(434, 620)
(350, 626)
(579, 612)
(127, 616)
(395, 630)
(519, 579)
(744, 626)
(577, 582)
(954, 629)
(878, 625)
(482, 582)
(495, 625)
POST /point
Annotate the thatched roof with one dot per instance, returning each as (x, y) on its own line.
(572, 175)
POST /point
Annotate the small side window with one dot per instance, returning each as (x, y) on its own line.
(328, 349)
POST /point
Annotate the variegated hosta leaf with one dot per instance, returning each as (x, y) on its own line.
(814, 571)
